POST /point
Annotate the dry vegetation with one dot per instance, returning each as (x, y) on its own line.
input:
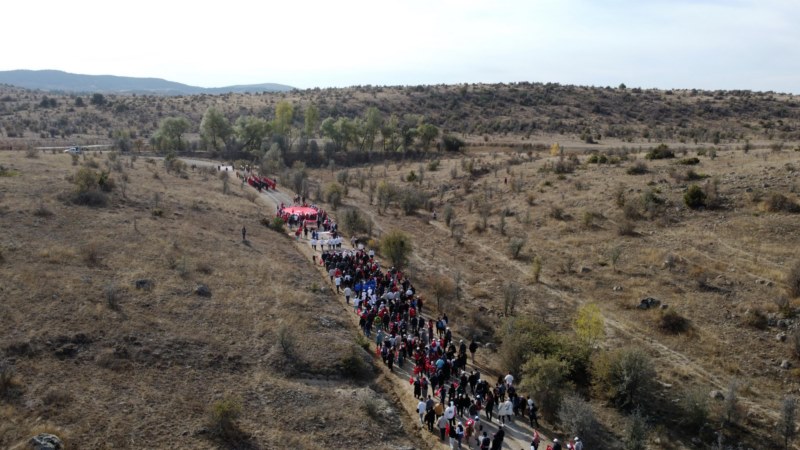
(725, 272)
(109, 340)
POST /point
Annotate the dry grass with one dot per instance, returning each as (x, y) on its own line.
(710, 266)
(145, 366)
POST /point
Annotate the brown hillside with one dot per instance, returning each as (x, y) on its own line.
(105, 364)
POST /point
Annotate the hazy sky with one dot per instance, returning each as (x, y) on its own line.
(709, 44)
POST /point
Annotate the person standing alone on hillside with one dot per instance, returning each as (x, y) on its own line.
(244, 233)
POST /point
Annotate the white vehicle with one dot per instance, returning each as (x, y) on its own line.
(75, 149)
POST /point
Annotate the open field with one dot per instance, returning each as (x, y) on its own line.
(103, 363)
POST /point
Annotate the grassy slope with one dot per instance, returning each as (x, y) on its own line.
(146, 368)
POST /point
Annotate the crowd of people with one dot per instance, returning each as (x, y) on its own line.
(454, 401)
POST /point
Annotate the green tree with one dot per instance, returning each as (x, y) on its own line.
(427, 133)
(215, 129)
(389, 133)
(589, 326)
(252, 132)
(546, 379)
(522, 337)
(369, 128)
(98, 99)
(332, 129)
(284, 112)
(626, 377)
(334, 194)
(170, 134)
(396, 245)
(311, 117)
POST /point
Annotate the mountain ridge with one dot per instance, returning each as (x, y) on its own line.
(60, 81)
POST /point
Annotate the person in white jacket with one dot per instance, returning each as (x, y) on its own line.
(450, 414)
(421, 409)
(505, 410)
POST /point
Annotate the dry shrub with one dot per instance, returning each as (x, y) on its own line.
(9, 383)
(112, 295)
(222, 420)
(91, 254)
(625, 377)
(631, 212)
(42, 211)
(251, 195)
(674, 323)
(578, 419)
(204, 268)
(777, 202)
(756, 318)
(793, 281)
(626, 228)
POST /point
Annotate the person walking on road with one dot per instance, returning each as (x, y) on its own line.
(244, 233)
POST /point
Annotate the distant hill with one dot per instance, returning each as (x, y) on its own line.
(59, 81)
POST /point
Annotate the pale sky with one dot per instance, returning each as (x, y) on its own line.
(705, 44)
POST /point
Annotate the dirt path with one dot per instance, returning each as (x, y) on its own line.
(518, 433)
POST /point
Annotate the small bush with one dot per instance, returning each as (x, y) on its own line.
(354, 365)
(794, 341)
(777, 202)
(32, 153)
(694, 197)
(396, 246)
(689, 161)
(536, 269)
(694, 409)
(91, 254)
(557, 212)
(42, 211)
(433, 166)
(756, 319)
(449, 215)
(112, 296)
(9, 384)
(515, 247)
(334, 194)
(638, 168)
(626, 227)
(412, 199)
(673, 323)
(277, 225)
(90, 187)
(353, 222)
(636, 433)
(660, 152)
(222, 419)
